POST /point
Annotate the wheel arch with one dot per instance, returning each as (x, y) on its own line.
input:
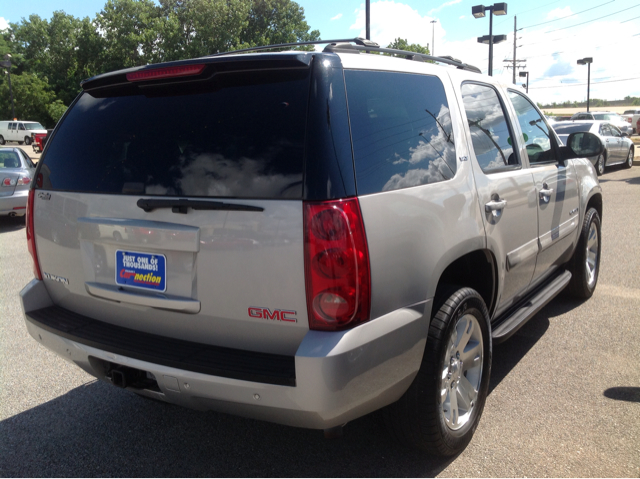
(476, 270)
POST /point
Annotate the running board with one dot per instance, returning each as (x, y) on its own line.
(520, 316)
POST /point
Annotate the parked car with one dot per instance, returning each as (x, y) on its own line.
(16, 174)
(20, 131)
(619, 149)
(321, 235)
(608, 116)
(632, 117)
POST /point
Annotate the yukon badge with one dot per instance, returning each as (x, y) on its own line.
(57, 279)
(277, 314)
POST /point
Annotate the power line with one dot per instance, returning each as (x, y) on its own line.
(572, 15)
(594, 20)
(581, 84)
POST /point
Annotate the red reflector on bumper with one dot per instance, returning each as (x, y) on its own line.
(169, 72)
(19, 207)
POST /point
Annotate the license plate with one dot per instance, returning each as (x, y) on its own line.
(141, 270)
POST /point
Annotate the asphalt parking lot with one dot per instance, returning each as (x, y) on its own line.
(564, 396)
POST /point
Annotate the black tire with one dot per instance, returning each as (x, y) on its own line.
(600, 164)
(27, 140)
(585, 264)
(20, 142)
(2, 142)
(629, 162)
(420, 418)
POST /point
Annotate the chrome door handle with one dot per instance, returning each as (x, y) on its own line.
(545, 194)
(495, 207)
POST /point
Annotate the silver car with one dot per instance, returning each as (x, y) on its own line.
(16, 175)
(609, 116)
(619, 149)
(307, 237)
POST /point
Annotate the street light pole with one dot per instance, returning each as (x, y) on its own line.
(7, 65)
(433, 38)
(587, 61)
(495, 9)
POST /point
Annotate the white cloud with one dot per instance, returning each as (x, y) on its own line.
(444, 5)
(550, 55)
(337, 17)
(390, 20)
(559, 13)
(3, 23)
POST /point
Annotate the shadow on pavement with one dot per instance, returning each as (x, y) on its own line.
(629, 394)
(508, 354)
(8, 224)
(98, 430)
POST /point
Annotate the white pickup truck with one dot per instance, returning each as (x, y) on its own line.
(632, 116)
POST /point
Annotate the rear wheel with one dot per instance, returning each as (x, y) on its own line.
(585, 264)
(2, 140)
(441, 409)
(629, 162)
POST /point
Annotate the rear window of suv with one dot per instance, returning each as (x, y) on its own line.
(238, 135)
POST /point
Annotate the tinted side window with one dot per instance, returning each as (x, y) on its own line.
(604, 130)
(615, 131)
(536, 132)
(401, 130)
(490, 133)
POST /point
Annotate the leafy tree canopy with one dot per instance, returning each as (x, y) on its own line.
(55, 55)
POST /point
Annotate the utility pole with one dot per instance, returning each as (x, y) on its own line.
(368, 18)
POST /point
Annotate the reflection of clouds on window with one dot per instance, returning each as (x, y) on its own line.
(401, 130)
(213, 175)
(437, 171)
(488, 126)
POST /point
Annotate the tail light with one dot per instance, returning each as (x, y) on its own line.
(338, 282)
(31, 237)
(23, 180)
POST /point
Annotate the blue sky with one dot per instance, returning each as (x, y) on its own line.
(554, 35)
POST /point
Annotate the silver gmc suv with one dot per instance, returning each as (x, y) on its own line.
(307, 237)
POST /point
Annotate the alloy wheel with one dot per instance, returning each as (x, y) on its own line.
(461, 372)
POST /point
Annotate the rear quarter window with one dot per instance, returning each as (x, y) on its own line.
(401, 130)
(239, 135)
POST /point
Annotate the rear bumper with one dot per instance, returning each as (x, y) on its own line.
(337, 376)
(16, 203)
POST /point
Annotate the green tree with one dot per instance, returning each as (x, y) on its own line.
(402, 44)
(56, 110)
(32, 96)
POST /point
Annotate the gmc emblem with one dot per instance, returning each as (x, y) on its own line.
(276, 315)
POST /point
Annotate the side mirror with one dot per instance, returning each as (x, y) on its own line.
(583, 144)
(625, 134)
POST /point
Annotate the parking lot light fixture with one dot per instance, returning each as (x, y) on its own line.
(478, 11)
(522, 75)
(587, 61)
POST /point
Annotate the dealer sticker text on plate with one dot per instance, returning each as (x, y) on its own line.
(141, 270)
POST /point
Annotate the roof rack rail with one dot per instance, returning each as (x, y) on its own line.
(361, 44)
(357, 41)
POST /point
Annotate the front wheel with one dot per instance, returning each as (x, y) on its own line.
(600, 164)
(585, 264)
(629, 162)
(2, 140)
(441, 409)
(27, 140)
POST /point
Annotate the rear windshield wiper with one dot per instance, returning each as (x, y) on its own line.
(181, 205)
